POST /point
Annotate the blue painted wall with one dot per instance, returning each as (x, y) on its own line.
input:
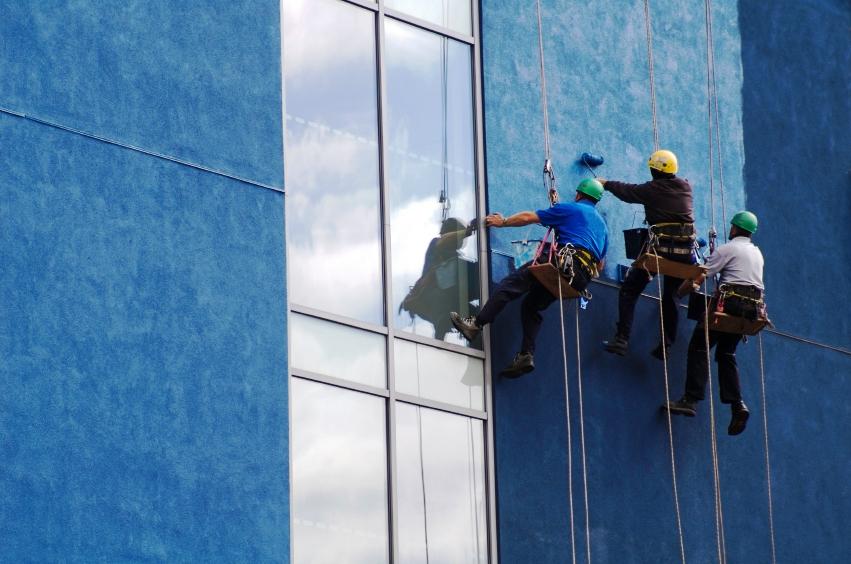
(599, 101)
(797, 117)
(143, 325)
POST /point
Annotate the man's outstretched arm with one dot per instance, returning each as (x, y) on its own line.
(519, 219)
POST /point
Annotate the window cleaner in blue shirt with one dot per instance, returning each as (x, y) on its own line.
(577, 223)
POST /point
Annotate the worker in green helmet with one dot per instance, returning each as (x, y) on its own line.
(739, 265)
(576, 223)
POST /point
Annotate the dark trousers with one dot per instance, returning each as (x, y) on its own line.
(537, 299)
(697, 369)
(634, 283)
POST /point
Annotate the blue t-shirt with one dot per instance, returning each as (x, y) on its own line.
(578, 223)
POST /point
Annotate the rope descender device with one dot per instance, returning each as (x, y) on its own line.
(550, 182)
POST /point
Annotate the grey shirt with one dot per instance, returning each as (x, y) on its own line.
(739, 262)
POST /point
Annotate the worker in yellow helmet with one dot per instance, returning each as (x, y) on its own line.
(669, 212)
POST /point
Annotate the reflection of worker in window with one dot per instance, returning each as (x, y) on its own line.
(447, 281)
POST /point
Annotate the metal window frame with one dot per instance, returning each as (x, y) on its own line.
(381, 13)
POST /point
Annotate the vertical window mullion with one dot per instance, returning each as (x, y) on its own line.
(393, 526)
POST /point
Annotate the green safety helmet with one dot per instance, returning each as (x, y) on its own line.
(745, 220)
(591, 187)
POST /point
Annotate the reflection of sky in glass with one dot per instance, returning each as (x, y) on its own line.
(336, 350)
(331, 152)
(439, 375)
(428, 87)
(339, 497)
(454, 14)
(441, 495)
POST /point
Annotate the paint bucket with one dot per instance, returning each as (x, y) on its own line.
(697, 306)
(634, 240)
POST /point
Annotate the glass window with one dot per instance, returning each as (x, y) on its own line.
(339, 497)
(440, 375)
(331, 151)
(430, 164)
(453, 14)
(328, 348)
(441, 496)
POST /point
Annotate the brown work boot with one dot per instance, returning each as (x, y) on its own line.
(467, 326)
(523, 362)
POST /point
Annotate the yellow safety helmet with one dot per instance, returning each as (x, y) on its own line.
(663, 161)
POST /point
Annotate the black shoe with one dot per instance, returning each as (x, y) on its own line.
(657, 352)
(682, 406)
(617, 345)
(466, 325)
(739, 419)
(522, 363)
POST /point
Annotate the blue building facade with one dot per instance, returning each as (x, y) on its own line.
(203, 364)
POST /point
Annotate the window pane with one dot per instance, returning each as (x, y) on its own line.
(441, 487)
(431, 181)
(331, 153)
(453, 14)
(335, 350)
(439, 375)
(339, 475)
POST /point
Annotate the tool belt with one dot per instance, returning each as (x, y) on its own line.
(740, 300)
(674, 250)
(674, 234)
(568, 256)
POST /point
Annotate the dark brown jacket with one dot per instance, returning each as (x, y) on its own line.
(666, 200)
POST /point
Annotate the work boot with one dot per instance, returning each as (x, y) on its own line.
(683, 406)
(523, 362)
(657, 352)
(739, 418)
(466, 325)
(616, 345)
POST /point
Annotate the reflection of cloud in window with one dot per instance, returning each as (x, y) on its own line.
(393, 150)
(339, 478)
(450, 476)
(307, 55)
(348, 289)
(333, 223)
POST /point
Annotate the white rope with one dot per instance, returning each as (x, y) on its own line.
(582, 442)
(716, 477)
(543, 82)
(709, 72)
(718, 152)
(649, 32)
(668, 412)
(767, 457)
(567, 416)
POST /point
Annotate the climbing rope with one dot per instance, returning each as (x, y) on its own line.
(543, 82)
(767, 457)
(582, 440)
(649, 32)
(713, 234)
(567, 415)
(716, 478)
(711, 59)
(549, 174)
(670, 426)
